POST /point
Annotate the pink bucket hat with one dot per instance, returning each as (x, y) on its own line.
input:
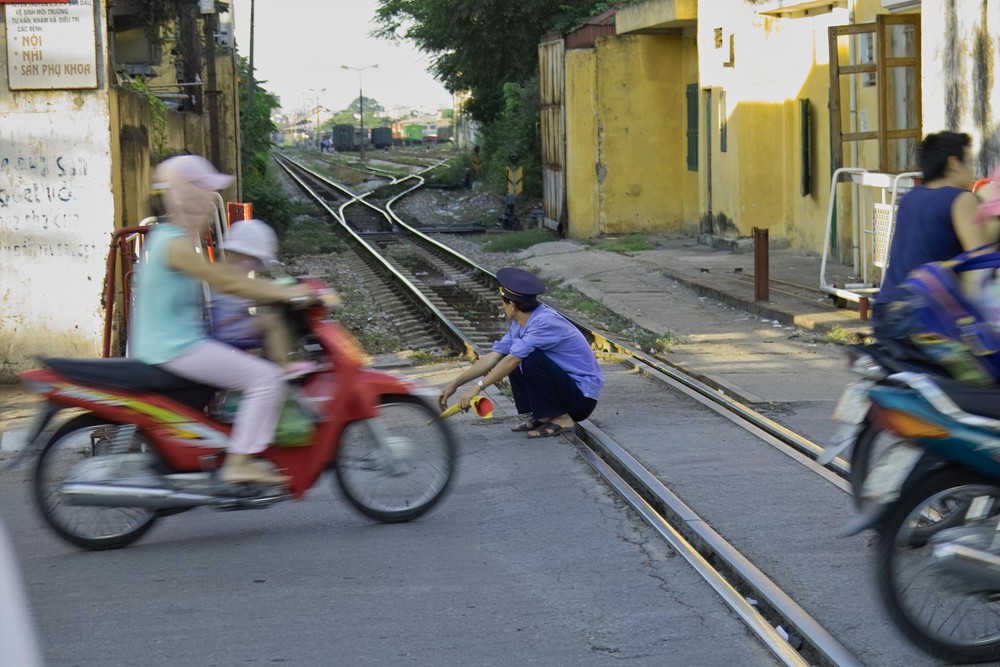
(192, 169)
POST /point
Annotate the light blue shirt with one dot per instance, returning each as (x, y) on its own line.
(550, 332)
(168, 315)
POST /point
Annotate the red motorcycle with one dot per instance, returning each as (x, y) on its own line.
(148, 443)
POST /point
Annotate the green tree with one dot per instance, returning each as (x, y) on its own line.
(261, 184)
(513, 131)
(477, 47)
(371, 106)
(256, 126)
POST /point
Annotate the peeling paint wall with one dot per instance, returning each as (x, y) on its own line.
(961, 53)
(625, 132)
(74, 166)
(56, 212)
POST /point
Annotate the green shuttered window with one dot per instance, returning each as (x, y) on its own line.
(692, 127)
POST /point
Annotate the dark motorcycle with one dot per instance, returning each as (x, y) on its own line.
(934, 497)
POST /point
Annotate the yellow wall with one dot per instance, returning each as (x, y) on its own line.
(582, 172)
(626, 111)
(764, 65)
(625, 137)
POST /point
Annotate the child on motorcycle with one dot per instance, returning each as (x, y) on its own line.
(249, 246)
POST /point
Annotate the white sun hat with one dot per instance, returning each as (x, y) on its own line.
(254, 238)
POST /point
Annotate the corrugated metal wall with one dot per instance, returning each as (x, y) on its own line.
(552, 80)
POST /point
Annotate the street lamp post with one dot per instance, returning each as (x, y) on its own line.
(316, 94)
(361, 103)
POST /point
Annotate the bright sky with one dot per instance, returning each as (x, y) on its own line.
(300, 45)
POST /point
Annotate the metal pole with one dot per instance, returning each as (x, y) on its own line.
(361, 103)
(761, 279)
(361, 108)
(250, 86)
(212, 91)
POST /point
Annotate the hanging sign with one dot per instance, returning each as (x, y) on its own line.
(51, 46)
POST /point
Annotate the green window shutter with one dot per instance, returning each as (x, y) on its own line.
(805, 147)
(692, 127)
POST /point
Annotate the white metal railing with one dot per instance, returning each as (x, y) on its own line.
(875, 200)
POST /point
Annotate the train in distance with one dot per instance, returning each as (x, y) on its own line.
(348, 137)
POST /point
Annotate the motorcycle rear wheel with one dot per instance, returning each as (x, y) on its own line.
(93, 528)
(408, 473)
(932, 607)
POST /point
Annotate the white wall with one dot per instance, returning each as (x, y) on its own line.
(56, 217)
(960, 53)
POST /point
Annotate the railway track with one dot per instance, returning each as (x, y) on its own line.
(457, 298)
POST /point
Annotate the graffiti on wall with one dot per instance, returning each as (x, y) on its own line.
(46, 191)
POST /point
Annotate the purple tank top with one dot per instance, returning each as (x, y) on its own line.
(924, 233)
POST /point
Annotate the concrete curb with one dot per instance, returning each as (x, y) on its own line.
(773, 310)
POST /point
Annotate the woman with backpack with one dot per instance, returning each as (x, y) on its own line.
(936, 221)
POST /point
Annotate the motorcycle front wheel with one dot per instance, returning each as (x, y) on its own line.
(397, 466)
(86, 438)
(938, 605)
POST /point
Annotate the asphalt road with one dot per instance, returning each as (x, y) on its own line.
(529, 560)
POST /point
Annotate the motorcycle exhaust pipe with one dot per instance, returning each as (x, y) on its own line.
(114, 495)
(977, 568)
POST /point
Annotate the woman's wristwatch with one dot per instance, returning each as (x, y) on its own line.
(481, 384)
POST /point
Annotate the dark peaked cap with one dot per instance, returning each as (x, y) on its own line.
(519, 285)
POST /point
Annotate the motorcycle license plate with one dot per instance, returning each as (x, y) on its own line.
(886, 478)
(853, 404)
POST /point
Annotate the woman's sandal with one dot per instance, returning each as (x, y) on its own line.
(529, 425)
(244, 469)
(549, 430)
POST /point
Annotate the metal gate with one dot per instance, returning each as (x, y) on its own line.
(552, 83)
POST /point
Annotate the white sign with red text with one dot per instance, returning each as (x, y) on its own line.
(51, 46)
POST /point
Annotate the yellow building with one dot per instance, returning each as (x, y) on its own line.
(715, 117)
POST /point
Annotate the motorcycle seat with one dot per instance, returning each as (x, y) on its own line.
(974, 399)
(898, 358)
(119, 373)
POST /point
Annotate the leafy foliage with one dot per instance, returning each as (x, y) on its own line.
(371, 106)
(349, 116)
(270, 202)
(261, 184)
(476, 47)
(256, 125)
(158, 118)
(513, 131)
